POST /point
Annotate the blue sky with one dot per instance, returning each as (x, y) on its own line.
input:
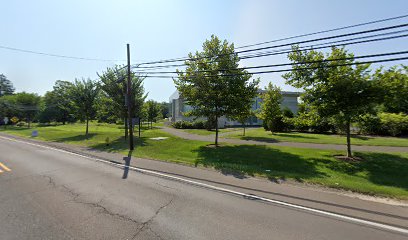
(165, 29)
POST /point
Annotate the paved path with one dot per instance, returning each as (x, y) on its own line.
(210, 138)
(49, 194)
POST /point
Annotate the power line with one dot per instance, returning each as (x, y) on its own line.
(292, 69)
(324, 31)
(306, 48)
(281, 45)
(57, 55)
(289, 64)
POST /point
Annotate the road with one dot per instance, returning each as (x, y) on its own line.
(49, 194)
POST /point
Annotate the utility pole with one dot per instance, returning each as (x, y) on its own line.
(129, 100)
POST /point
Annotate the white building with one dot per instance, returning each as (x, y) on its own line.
(178, 107)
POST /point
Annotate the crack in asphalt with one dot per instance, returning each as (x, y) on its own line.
(150, 220)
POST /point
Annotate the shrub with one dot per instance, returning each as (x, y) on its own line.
(394, 124)
(370, 124)
(199, 124)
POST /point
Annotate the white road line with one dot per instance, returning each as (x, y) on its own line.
(299, 207)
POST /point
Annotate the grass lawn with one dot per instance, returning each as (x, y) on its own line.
(380, 173)
(259, 134)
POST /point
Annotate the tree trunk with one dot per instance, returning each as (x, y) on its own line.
(87, 126)
(216, 131)
(244, 129)
(348, 139)
(126, 128)
(29, 122)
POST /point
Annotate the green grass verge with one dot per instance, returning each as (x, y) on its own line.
(259, 134)
(379, 174)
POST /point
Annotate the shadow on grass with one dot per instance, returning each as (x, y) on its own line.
(260, 139)
(76, 138)
(240, 160)
(289, 135)
(120, 144)
(381, 168)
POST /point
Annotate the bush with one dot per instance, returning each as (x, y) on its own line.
(394, 124)
(370, 124)
(190, 125)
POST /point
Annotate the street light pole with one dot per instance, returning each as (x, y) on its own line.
(129, 100)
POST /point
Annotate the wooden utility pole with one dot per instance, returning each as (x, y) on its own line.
(129, 100)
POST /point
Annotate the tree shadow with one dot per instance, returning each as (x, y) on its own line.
(127, 164)
(288, 135)
(120, 144)
(76, 138)
(381, 168)
(260, 139)
(267, 161)
(360, 137)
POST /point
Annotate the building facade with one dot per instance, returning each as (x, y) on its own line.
(179, 107)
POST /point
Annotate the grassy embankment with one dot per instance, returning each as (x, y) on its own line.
(380, 173)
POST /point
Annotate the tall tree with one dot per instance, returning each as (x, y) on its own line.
(213, 84)
(394, 82)
(84, 95)
(6, 87)
(114, 84)
(335, 88)
(270, 111)
(57, 103)
(152, 109)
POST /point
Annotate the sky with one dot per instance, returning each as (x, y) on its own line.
(159, 29)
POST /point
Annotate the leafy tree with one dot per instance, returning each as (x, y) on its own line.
(243, 116)
(6, 87)
(152, 109)
(335, 89)
(212, 84)
(270, 111)
(58, 103)
(84, 95)
(164, 109)
(114, 85)
(394, 82)
(23, 105)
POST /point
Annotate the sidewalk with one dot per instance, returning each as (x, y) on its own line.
(210, 138)
(382, 210)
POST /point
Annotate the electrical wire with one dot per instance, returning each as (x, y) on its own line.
(291, 69)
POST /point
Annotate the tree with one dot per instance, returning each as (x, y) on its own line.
(394, 82)
(6, 87)
(212, 84)
(243, 116)
(57, 104)
(114, 85)
(335, 88)
(270, 111)
(152, 109)
(23, 105)
(84, 95)
(164, 109)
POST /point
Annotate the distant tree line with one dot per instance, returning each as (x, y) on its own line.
(81, 100)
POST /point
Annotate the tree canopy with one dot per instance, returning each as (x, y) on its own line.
(335, 88)
(212, 84)
(6, 86)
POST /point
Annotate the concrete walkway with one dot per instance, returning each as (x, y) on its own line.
(210, 138)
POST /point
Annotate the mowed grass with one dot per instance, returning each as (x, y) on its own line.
(259, 134)
(378, 174)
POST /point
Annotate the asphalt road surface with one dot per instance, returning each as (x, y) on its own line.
(49, 194)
